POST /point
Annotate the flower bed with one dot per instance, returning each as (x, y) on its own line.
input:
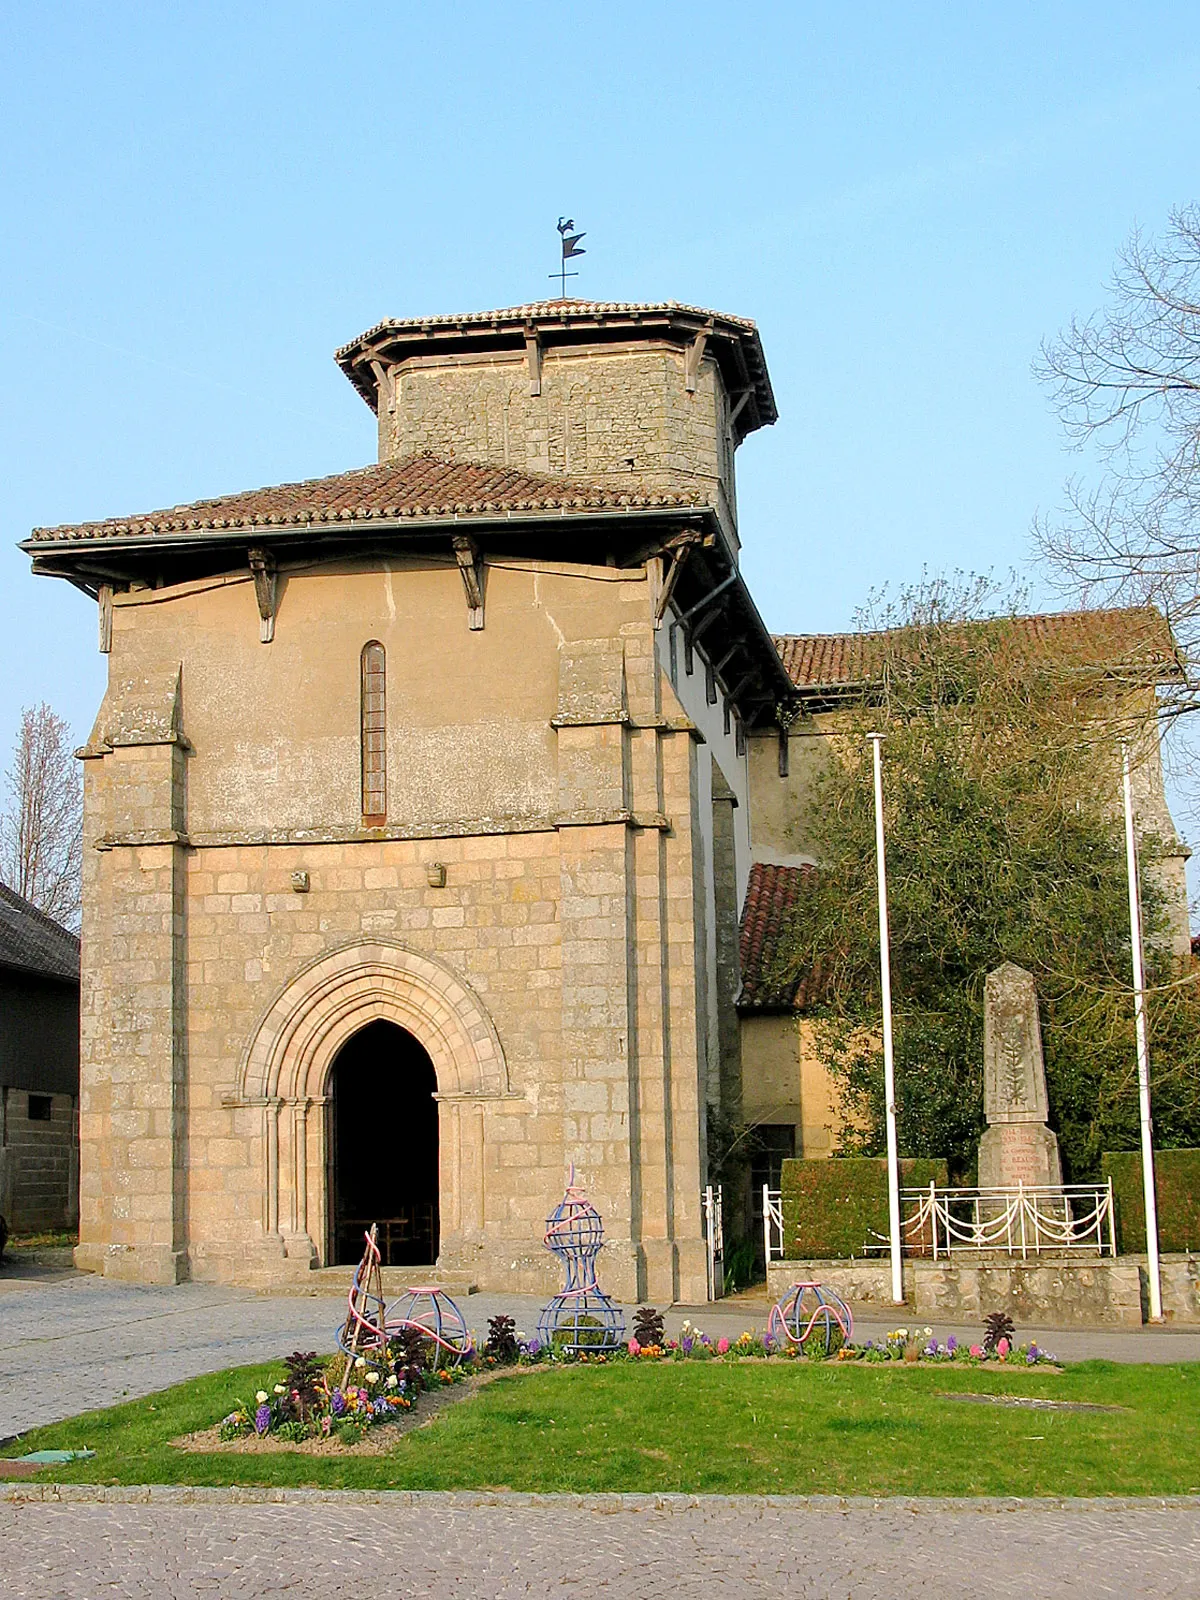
(902, 1344)
(315, 1401)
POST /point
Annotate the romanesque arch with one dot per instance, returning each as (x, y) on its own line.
(341, 991)
(287, 1062)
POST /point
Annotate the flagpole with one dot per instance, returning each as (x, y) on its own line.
(889, 1066)
(1143, 1045)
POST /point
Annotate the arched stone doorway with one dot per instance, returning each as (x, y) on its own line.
(285, 1075)
(383, 1147)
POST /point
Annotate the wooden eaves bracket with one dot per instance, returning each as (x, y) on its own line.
(695, 353)
(266, 591)
(470, 566)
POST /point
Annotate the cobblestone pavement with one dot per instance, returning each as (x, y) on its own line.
(435, 1546)
(115, 1341)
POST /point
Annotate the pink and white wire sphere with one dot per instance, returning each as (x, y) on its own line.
(807, 1316)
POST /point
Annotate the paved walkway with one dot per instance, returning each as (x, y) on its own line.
(64, 1334)
(433, 1547)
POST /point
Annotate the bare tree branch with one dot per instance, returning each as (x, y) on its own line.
(41, 827)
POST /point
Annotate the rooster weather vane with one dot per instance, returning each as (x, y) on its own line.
(570, 247)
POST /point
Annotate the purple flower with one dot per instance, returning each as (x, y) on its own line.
(337, 1403)
(768, 1343)
(262, 1419)
(685, 1344)
(951, 1345)
(534, 1346)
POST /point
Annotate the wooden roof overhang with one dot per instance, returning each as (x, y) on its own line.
(701, 579)
(531, 330)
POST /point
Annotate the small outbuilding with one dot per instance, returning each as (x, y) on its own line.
(39, 1069)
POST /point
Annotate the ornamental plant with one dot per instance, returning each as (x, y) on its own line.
(311, 1401)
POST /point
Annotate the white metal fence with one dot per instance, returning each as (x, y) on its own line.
(1063, 1219)
(1044, 1220)
(714, 1239)
(772, 1212)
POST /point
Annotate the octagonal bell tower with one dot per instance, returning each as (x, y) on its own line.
(655, 397)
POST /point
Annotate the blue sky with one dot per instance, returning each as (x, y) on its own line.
(200, 203)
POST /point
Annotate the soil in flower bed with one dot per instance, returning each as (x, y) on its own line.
(376, 1441)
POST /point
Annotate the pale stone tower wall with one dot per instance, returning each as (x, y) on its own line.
(623, 417)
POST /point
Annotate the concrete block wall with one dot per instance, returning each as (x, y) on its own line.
(39, 1163)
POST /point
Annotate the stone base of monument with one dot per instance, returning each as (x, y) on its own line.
(1018, 1152)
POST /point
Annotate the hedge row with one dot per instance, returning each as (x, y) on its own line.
(1176, 1189)
(833, 1208)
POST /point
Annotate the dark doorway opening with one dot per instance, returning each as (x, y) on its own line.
(383, 1141)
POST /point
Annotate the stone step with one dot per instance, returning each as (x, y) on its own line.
(396, 1280)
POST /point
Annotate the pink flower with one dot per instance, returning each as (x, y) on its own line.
(977, 1350)
(633, 1347)
(722, 1346)
(1003, 1348)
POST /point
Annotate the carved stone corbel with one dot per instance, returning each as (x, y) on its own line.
(262, 565)
(470, 566)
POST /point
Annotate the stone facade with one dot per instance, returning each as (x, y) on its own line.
(558, 978)
(547, 904)
(471, 745)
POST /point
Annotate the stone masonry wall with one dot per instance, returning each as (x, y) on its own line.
(240, 923)
(617, 416)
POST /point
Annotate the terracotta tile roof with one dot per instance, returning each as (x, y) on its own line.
(34, 942)
(771, 898)
(416, 487)
(1131, 636)
(564, 309)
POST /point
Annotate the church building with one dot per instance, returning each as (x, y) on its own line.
(420, 819)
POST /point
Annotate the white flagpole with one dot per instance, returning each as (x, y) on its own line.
(1143, 1048)
(889, 1068)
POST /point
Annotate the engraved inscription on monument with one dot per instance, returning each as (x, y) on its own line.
(1017, 1147)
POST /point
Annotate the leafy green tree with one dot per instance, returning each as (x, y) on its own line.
(1004, 843)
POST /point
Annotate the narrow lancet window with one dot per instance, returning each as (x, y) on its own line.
(374, 735)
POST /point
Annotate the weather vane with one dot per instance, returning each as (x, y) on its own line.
(570, 247)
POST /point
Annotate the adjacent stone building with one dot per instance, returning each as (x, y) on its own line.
(39, 1069)
(421, 811)
(1121, 655)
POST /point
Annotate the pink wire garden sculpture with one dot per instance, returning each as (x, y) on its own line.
(807, 1316)
(581, 1318)
(368, 1327)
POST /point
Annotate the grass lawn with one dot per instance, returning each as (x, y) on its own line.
(720, 1427)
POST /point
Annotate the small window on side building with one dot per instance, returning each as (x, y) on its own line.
(40, 1107)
